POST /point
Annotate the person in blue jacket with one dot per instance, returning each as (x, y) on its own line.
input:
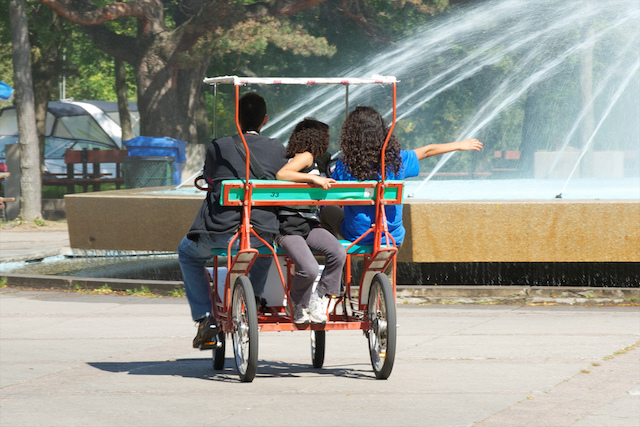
(361, 139)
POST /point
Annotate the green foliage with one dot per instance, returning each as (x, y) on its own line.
(143, 292)
(398, 18)
(253, 41)
(58, 192)
(177, 293)
(89, 72)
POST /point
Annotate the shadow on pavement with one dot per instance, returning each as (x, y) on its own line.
(202, 369)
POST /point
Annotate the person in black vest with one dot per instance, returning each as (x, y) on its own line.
(215, 225)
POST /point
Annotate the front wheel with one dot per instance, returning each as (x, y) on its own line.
(381, 314)
(317, 348)
(244, 318)
(218, 352)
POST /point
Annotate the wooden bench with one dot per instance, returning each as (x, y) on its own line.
(85, 157)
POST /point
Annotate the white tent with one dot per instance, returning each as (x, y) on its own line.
(72, 125)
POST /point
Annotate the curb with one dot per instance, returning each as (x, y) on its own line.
(69, 283)
(516, 294)
(405, 294)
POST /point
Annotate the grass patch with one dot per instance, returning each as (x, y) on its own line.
(623, 351)
(104, 289)
(177, 293)
(143, 292)
(58, 192)
(3, 282)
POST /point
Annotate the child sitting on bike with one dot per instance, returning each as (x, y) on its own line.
(362, 136)
(300, 231)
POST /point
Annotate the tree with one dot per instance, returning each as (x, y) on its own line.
(30, 184)
(123, 100)
(172, 47)
(170, 43)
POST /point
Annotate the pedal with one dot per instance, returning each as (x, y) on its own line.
(210, 345)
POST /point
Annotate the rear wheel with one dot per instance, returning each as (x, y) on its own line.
(244, 318)
(317, 348)
(381, 313)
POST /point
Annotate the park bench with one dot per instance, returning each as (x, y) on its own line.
(95, 157)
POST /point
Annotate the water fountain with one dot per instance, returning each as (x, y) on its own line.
(549, 87)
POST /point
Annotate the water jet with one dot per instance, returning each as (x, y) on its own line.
(517, 70)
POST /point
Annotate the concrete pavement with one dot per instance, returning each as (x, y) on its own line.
(32, 243)
(71, 359)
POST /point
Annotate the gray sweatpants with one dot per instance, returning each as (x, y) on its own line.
(299, 250)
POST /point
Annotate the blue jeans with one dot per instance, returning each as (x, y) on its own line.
(193, 257)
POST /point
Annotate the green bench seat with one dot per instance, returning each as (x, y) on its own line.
(286, 193)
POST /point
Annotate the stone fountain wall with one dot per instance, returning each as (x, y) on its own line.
(438, 231)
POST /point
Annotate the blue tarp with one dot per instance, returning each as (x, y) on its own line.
(160, 146)
(6, 92)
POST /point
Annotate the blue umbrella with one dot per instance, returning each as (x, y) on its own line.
(6, 92)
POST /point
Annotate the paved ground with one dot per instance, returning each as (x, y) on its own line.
(103, 360)
(29, 242)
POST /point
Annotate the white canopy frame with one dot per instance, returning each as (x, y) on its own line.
(306, 81)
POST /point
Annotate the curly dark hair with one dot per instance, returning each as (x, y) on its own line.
(309, 135)
(361, 139)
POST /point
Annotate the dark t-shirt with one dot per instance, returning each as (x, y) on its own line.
(224, 162)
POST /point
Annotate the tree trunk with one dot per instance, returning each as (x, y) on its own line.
(166, 91)
(123, 100)
(42, 88)
(30, 183)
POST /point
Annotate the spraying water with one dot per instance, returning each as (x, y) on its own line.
(509, 73)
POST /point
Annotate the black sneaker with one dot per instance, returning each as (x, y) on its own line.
(207, 330)
(261, 304)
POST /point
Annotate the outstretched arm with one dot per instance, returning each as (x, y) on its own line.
(291, 171)
(437, 149)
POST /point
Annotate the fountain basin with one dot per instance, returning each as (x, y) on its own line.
(522, 231)
(555, 230)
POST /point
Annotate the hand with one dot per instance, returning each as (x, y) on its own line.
(323, 182)
(470, 144)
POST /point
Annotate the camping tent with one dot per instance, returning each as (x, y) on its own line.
(72, 125)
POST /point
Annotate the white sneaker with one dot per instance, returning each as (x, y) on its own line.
(318, 309)
(300, 314)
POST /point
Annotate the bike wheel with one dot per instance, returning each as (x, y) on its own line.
(381, 313)
(218, 352)
(244, 318)
(318, 340)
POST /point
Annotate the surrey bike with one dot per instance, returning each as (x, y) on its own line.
(368, 303)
